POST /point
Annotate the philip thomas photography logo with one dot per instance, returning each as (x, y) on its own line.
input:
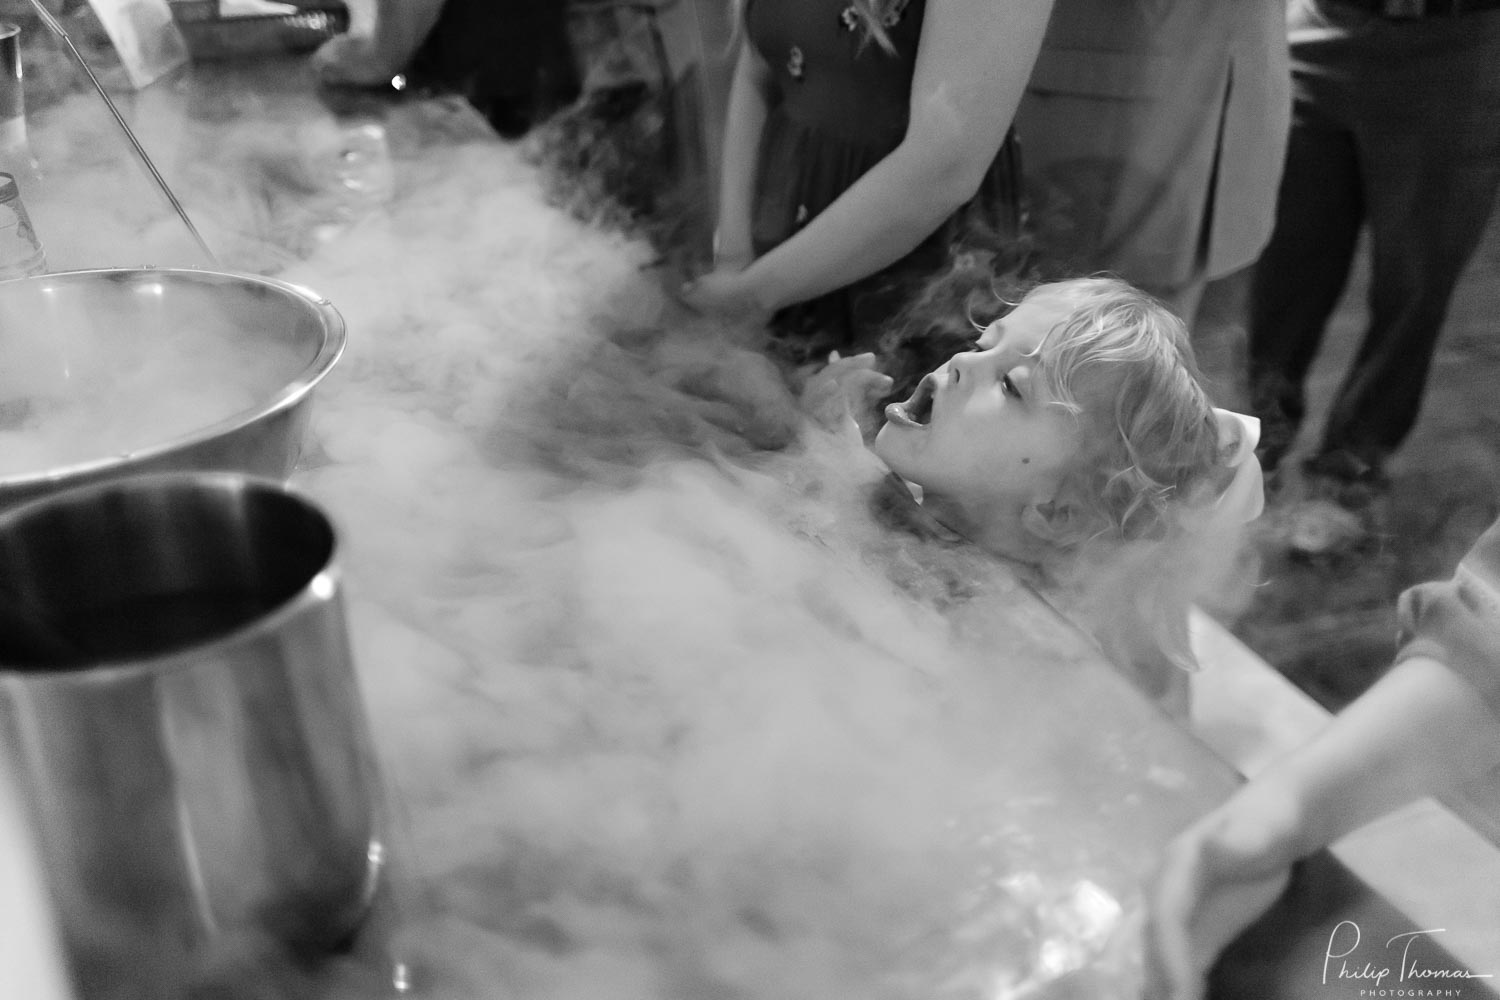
(1408, 965)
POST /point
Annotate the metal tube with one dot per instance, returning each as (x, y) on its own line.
(12, 96)
(135, 143)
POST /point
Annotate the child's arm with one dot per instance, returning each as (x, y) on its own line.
(973, 61)
(1420, 730)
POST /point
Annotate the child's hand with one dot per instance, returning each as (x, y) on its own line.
(841, 396)
(1216, 878)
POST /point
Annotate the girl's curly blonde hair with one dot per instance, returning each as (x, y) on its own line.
(1123, 363)
(1152, 467)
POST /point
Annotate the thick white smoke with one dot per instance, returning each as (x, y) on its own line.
(665, 709)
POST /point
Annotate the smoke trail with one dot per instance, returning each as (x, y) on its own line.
(669, 708)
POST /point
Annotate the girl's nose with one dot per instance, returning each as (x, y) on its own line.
(965, 365)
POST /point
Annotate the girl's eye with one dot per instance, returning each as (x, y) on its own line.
(1009, 387)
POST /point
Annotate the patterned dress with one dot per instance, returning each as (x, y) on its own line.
(839, 106)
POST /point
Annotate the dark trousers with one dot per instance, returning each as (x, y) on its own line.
(1396, 125)
(512, 59)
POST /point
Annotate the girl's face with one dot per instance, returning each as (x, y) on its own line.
(980, 432)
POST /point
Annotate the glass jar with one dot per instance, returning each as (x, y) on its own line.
(20, 251)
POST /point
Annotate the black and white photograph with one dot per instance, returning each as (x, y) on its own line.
(749, 499)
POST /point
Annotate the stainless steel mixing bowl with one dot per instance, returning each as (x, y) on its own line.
(264, 440)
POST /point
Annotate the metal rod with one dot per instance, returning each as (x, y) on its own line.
(135, 143)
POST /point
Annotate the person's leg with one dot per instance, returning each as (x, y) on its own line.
(1181, 299)
(1301, 275)
(512, 59)
(1430, 143)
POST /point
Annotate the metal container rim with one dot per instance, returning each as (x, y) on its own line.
(325, 584)
(335, 337)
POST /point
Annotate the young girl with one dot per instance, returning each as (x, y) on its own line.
(1076, 440)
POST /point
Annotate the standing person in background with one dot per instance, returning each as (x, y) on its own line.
(1429, 727)
(1152, 136)
(1396, 124)
(510, 58)
(858, 131)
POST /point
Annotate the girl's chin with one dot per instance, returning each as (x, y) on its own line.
(895, 464)
(884, 446)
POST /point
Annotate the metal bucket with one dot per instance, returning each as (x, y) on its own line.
(140, 305)
(185, 725)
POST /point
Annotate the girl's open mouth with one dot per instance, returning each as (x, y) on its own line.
(916, 411)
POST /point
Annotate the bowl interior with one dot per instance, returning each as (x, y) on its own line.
(143, 567)
(100, 366)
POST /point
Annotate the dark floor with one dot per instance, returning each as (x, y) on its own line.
(1328, 622)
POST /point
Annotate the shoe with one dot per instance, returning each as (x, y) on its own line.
(1339, 463)
(1319, 527)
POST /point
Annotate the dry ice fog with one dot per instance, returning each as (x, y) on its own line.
(665, 709)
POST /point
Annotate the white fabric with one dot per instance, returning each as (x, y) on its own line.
(1245, 496)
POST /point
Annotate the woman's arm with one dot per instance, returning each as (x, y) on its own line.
(973, 61)
(745, 120)
(1420, 730)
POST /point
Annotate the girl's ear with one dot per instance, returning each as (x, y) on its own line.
(1056, 522)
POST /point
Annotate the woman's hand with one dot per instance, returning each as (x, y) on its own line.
(726, 292)
(1216, 879)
